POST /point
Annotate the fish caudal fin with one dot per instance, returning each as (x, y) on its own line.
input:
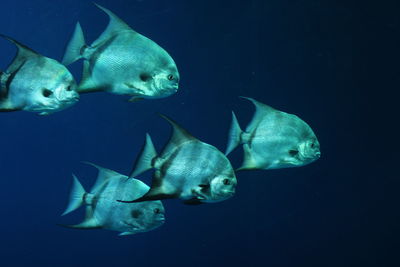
(235, 134)
(75, 46)
(75, 197)
(145, 161)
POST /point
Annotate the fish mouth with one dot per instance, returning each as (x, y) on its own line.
(161, 219)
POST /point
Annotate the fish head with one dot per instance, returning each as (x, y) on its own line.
(306, 152)
(158, 75)
(146, 216)
(309, 150)
(222, 187)
(55, 91)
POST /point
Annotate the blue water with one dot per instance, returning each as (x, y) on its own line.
(296, 56)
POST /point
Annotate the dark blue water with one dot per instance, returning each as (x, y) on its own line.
(297, 56)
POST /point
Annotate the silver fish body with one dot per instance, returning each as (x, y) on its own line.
(188, 169)
(105, 212)
(122, 61)
(36, 83)
(274, 140)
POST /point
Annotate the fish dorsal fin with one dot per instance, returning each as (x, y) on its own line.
(156, 192)
(178, 136)
(114, 26)
(24, 53)
(103, 175)
(262, 110)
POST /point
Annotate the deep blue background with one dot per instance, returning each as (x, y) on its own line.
(310, 58)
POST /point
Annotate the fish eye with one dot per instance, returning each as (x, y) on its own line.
(312, 145)
(68, 88)
(226, 181)
(144, 77)
(136, 213)
(170, 77)
(293, 153)
(157, 210)
(47, 92)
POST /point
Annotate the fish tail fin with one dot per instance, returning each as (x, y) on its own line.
(235, 135)
(76, 196)
(145, 160)
(75, 46)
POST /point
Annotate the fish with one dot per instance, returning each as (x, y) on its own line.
(122, 61)
(104, 212)
(187, 169)
(273, 140)
(35, 83)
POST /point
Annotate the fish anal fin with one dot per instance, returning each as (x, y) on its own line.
(87, 85)
(89, 222)
(6, 106)
(248, 160)
(193, 202)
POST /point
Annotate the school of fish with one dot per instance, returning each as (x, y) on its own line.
(124, 62)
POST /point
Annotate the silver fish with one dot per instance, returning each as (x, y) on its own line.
(103, 211)
(273, 140)
(36, 83)
(187, 168)
(122, 61)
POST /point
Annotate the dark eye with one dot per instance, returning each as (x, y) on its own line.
(226, 182)
(46, 92)
(293, 152)
(157, 210)
(170, 77)
(312, 145)
(136, 213)
(144, 77)
(69, 88)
